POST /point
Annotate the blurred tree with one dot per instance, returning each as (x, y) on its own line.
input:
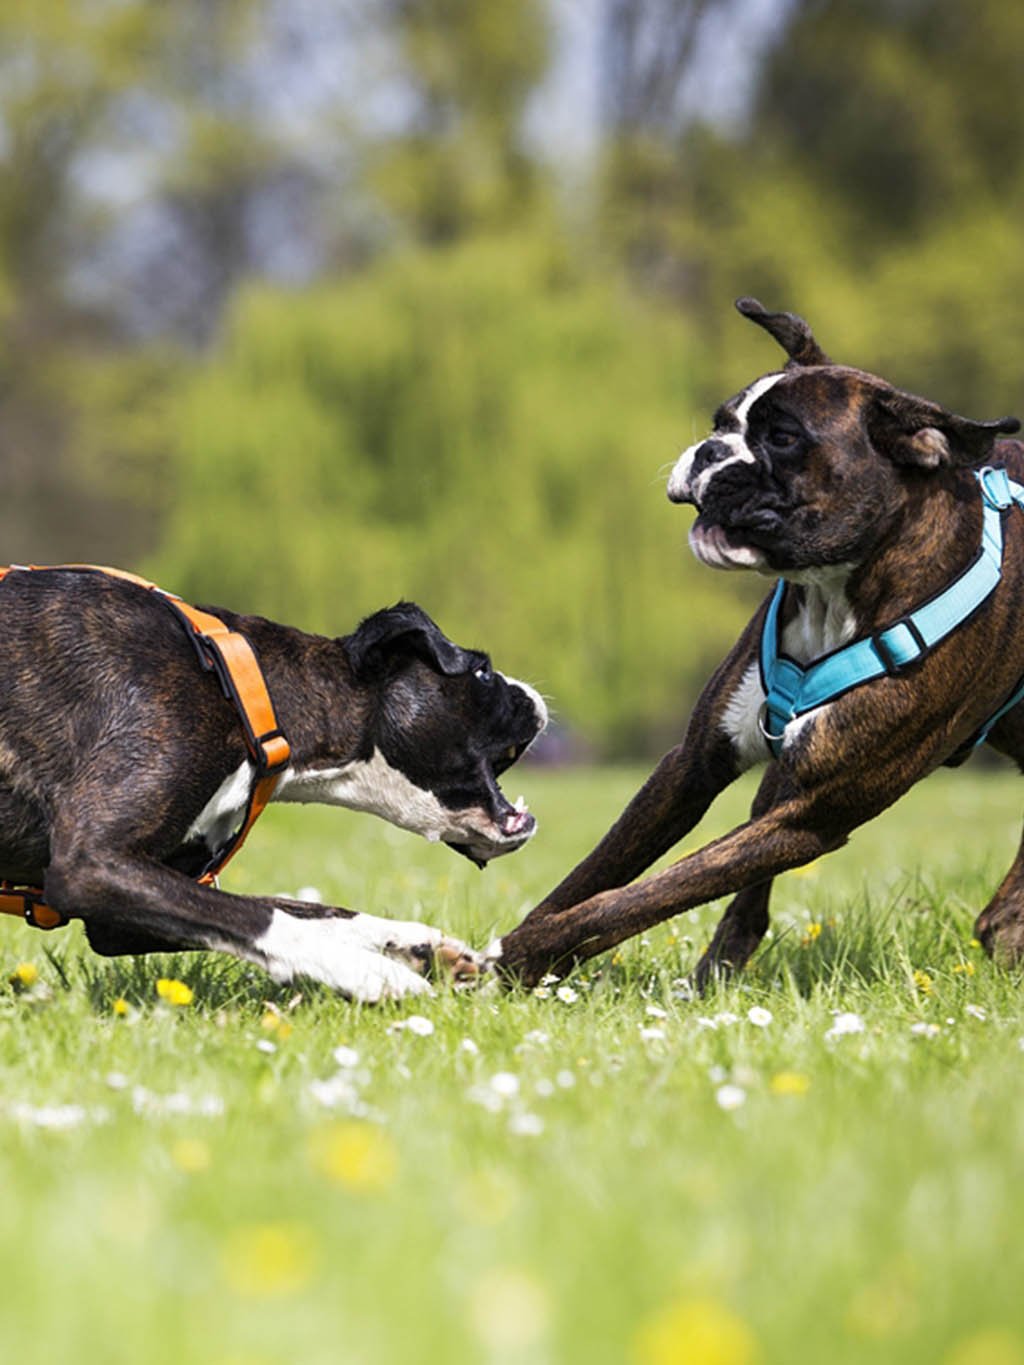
(647, 53)
(95, 101)
(479, 429)
(874, 184)
(905, 109)
(60, 69)
(469, 66)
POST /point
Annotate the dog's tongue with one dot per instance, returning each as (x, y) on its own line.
(516, 819)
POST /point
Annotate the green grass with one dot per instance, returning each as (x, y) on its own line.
(864, 1202)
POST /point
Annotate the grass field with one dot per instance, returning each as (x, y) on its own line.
(605, 1173)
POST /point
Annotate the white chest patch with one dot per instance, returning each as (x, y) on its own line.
(224, 811)
(824, 622)
(373, 786)
(740, 720)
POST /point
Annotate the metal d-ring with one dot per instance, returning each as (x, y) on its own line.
(761, 715)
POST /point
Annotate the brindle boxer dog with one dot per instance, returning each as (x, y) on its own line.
(866, 502)
(123, 767)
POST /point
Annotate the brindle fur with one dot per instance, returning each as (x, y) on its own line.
(112, 741)
(859, 754)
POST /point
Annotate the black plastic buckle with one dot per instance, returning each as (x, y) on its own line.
(892, 665)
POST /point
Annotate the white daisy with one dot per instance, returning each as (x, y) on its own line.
(730, 1096)
(844, 1023)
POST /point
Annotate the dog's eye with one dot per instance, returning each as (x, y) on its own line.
(483, 672)
(782, 438)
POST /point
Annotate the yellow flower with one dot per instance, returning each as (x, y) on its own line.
(975, 943)
(789, 1083)
(120, 1006)
(272, 1022)
(923, 982)
(174, 992)
(966, 967)
(191, 1155)
(811, 933)
(694, 1332)
(24, 975)
(263, 1260)
(359, 1156)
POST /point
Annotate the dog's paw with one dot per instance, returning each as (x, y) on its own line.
(368, 977)
(513, 963)
(328, 949)
(421, 947)
(439, 956)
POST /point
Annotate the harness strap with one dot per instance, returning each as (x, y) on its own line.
(231, 657)
(793, 689)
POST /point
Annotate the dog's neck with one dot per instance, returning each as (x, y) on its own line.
(320, 708)
(930, 539)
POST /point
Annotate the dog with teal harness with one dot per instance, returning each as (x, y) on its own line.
(892, 644)
(792, 689)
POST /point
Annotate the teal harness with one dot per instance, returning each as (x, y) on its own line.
(792, 689)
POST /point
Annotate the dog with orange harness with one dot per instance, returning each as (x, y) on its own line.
(140, 739)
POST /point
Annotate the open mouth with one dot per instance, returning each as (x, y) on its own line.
(721, 549)
(489, 837)
(517, 822)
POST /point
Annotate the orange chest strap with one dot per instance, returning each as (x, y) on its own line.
(229, 655)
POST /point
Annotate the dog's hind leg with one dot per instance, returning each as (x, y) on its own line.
(736, 938)
(1000, 926)
(745, 921)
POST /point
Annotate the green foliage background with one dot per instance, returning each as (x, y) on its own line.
(479, 429)
(472, 396)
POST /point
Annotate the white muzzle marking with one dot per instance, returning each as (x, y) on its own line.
(682, 486)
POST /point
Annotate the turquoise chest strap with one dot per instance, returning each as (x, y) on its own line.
(793, 689)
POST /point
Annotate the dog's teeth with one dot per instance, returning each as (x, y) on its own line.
(520, 804)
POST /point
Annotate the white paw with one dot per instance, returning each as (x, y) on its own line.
(328, 950)
(394, 935)
(371, 977)
(421, 946)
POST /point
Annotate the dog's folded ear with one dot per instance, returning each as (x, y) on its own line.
(913, 431)
(390, 639)
(790, 331)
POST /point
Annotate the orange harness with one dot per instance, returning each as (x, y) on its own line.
(228, 654)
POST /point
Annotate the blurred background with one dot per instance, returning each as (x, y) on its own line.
(308, 305)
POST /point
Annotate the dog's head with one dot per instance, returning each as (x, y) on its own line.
(444, 726)
(807, 467)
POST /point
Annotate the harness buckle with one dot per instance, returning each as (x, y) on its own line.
(41, 916)
(273, 751)
(893, 666)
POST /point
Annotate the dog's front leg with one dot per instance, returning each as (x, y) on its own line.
(131, 903)
(790, 833)
(745, 921)
(669, 804)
